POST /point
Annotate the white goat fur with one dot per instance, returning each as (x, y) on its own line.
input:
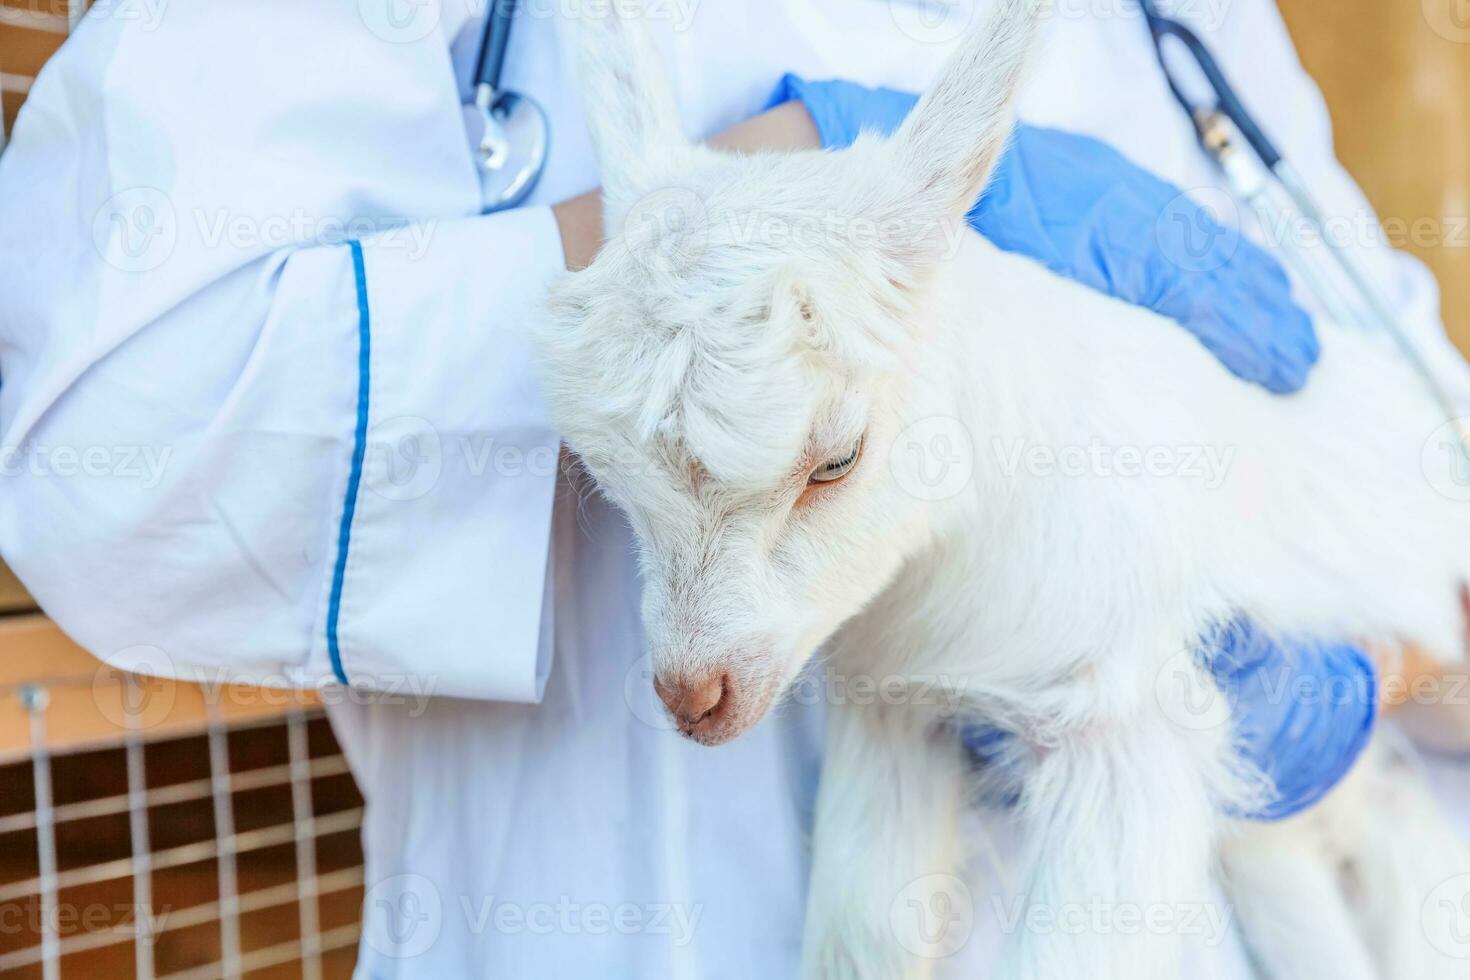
(700, 371)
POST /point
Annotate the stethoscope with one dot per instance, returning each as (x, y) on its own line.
(509, 131)
(1250, 176)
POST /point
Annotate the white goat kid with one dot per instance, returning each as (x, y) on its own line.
(754, 402)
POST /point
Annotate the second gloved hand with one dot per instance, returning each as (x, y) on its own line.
(1086, 212)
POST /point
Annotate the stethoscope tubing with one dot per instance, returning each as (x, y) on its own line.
(494, 43)
(1374, 311)
(1228, 102)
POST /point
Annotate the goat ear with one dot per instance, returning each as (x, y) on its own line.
(950, 143)
(625, 93)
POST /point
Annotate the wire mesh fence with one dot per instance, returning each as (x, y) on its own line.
(229, 852)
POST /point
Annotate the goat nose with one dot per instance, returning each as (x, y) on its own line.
(691, 700)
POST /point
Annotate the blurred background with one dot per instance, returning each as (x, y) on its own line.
(1397, 81)
(229, 814)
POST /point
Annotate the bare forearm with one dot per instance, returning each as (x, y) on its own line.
(1407, 672)
(786, 127)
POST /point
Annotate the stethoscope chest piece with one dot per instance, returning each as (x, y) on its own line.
(509, 134)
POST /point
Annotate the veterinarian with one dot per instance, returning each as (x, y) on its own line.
(268, 414)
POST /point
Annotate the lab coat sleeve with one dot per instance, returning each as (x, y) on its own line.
(267, 406)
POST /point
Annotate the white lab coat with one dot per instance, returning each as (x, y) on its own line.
(229, 452)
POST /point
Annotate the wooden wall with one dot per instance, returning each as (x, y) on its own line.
(1396, 75)
(30, 30)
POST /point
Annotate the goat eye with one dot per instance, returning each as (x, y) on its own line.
(835, 469)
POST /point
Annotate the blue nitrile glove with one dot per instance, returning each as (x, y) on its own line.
(1082, 209)
(1300, 714)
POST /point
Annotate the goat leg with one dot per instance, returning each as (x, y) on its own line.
(884, 861)
(1120, 821)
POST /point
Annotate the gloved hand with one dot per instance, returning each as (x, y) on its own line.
(1301, 715)
(1086, 212)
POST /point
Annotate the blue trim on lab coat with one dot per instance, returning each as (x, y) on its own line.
(359, 448)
